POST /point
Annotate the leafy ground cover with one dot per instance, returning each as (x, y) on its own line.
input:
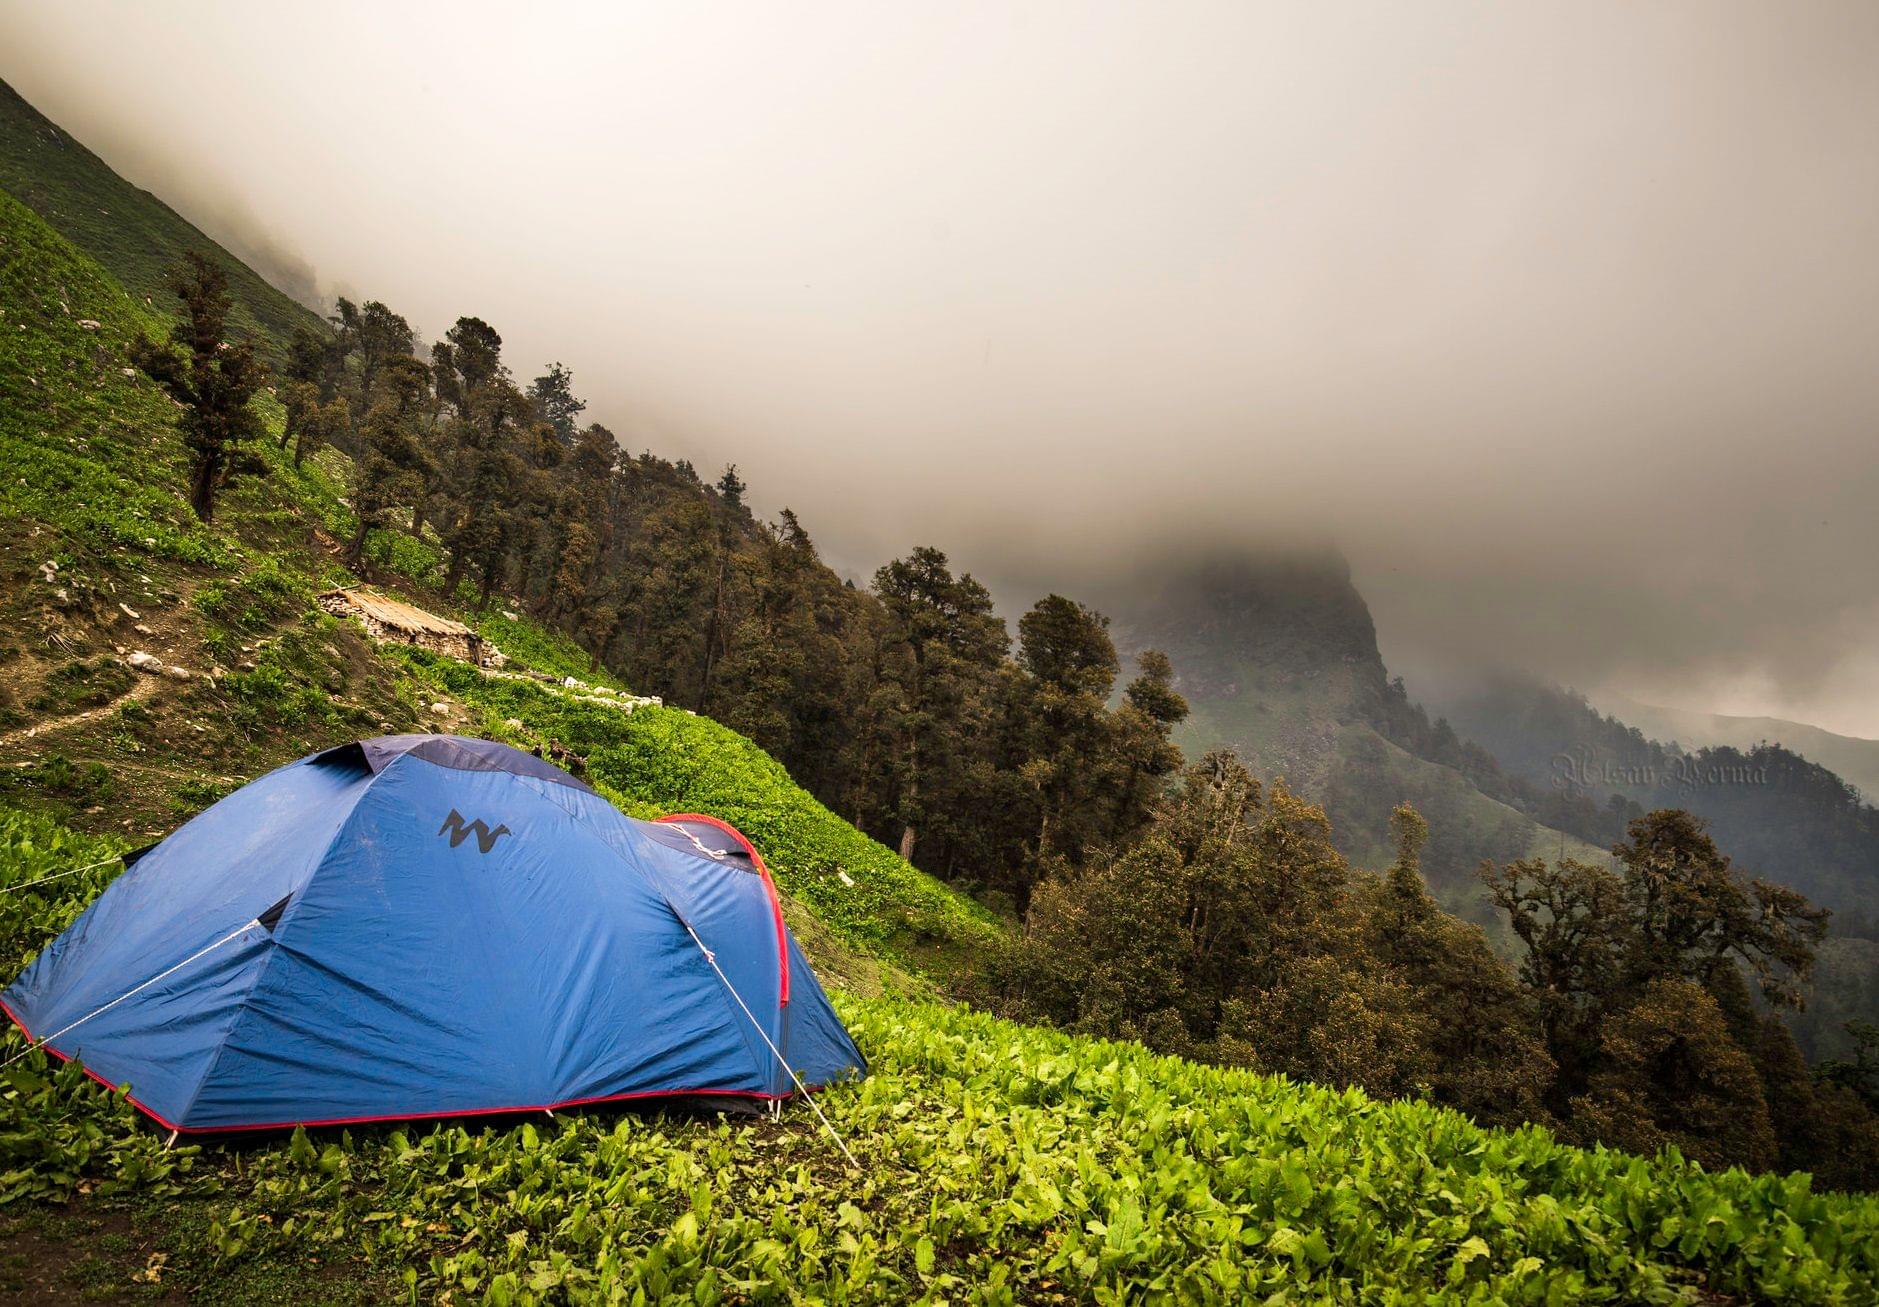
(999, 1163)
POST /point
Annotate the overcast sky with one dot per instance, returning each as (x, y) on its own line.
(1563, 319)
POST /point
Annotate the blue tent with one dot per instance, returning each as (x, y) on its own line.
(428, 925)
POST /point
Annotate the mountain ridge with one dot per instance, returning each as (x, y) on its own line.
(1780, 814)
(1277, 654)
(132, 233)
(1854, 758)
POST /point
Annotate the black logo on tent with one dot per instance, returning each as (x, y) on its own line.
(459, 832)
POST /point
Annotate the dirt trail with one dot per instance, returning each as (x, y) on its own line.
(143, 688)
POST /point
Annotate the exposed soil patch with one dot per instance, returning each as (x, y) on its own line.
(161, 1253)
(143, 688)
(54, 1256)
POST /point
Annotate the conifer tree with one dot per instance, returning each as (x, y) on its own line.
(391, 458)
(311, 424)
(1066, 650)
(948, 641)
(368, 337)
(211, 378)
(731, 515)
(484, 471)
(313, 361)
(553, 394)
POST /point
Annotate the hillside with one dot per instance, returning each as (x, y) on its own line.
(1277, 656)
(1000, 1163)
(484, 487)
(1782, 815)
(99, 553)
(1272, 653)
(131, 233)
(1854, 760)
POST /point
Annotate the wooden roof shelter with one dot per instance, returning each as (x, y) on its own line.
(386, 618)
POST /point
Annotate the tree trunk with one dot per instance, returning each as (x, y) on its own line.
(712, 627)
(355, 551)
(488, 587)
(202, 489)
(910, 801)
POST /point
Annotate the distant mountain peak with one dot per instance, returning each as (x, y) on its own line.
(1294, 610)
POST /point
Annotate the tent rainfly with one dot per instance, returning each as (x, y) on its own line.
(424, 926)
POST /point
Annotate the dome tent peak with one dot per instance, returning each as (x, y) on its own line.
(461, 752)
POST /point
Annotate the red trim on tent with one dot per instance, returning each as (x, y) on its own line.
(167, 1124)
(776, 904)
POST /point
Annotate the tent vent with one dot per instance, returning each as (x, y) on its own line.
(344, 755)
(272, 916)
(135, 854)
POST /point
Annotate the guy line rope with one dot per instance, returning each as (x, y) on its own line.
(61, 875)
(719, 855)
(765, 1036)
(43, 1040)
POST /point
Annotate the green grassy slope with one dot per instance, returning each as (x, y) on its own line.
(664, 760)
(1300, 731)
(998, 1163)
(100, 555)
(1465, 825)
(1277, 656)
(135, 236)
(1284, 724)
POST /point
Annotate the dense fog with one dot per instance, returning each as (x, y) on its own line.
(1560, 320)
